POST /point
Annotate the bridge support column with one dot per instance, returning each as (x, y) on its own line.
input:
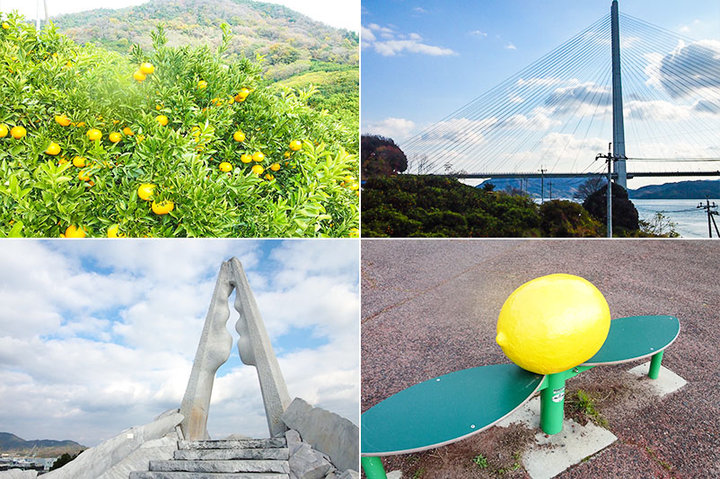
(618, 122)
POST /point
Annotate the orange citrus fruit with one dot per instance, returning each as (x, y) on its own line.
(79, 161)
(112, 231)
(258, 156)
(257, 169)
(115, 137)
(3, 130)
(83, 175)
(147, 68)
(94, 134)
(145, 191)
(239, 136)
(275, 166)
(162, 119)
(127, 131)
(62, 120)
(246, 158)
(162, 208)
(225, 167)
(53, 149)
(242, 94)
(295, 145)
(73, 231)
(18, 132)
(139, 76)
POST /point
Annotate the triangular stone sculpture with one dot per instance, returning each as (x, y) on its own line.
(215, 345)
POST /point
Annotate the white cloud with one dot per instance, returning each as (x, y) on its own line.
(479, 33)
(101, 335)
(419, 10)
(396, 128)
(510, 46)
(394, 43)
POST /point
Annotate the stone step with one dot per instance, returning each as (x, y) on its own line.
(234, 443)
(208, 475)
(282, 453)
(221, 466)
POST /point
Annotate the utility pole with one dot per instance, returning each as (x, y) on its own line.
(610, 158)
(618, 122)
(542, 185)
(708, 207)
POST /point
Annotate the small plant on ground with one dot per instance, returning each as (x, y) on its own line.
(583, 403)
(480, 461)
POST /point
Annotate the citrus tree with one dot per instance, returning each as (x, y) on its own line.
(173, 142)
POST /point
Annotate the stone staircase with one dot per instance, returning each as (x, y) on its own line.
(225, 459)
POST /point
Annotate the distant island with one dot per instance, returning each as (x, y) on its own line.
(567, 188)
(10, 443)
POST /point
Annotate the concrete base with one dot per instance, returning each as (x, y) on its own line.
(666, 383)
(551, 455)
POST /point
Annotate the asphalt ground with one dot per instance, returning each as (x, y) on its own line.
(429, 307)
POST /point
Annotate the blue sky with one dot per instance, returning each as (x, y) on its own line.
(422, 60)
(98, 336)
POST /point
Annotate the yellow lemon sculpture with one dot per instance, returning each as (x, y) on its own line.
(553, 323)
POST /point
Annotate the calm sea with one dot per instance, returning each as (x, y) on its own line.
(691, 221)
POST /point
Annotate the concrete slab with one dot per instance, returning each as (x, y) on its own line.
(551, 455)
(666, 383)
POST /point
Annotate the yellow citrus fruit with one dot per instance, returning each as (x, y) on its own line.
(246, 158)
(162, 119)
(257, 169)
(127, 131)
(79, 161)
(553, 323)
(275, 166)
(73, 231)
(94, 134)
(162, 208)
(5, 25)
(139, 76)
(112, 231)
(81, 124)
(115, 137)
(242, 94)
(145, 191)
(18, 132)
(258, 156)
(83, 175)
(202, 84)
(53, 149)
(3, 130)
(354, 186)
(147, 68)
(225, 167)
(295, 145)
(62, 120)
(239, 136)
(269, 177)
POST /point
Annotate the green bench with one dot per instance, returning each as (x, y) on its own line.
(451, 407)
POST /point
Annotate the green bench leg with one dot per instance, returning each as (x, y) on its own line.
(655, 365)
(373, 467)
(552, 404)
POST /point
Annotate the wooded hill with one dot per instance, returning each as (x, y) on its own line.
(10, 443)
(290, 42)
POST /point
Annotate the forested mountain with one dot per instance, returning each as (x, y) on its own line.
(42, 447)
(290, 42)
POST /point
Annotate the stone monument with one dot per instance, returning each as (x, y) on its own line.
(215, 345)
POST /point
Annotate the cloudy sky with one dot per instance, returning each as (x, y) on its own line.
(98, 336)
(337, 13)
(423, 60)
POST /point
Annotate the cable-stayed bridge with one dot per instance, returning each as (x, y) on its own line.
(652, 94)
